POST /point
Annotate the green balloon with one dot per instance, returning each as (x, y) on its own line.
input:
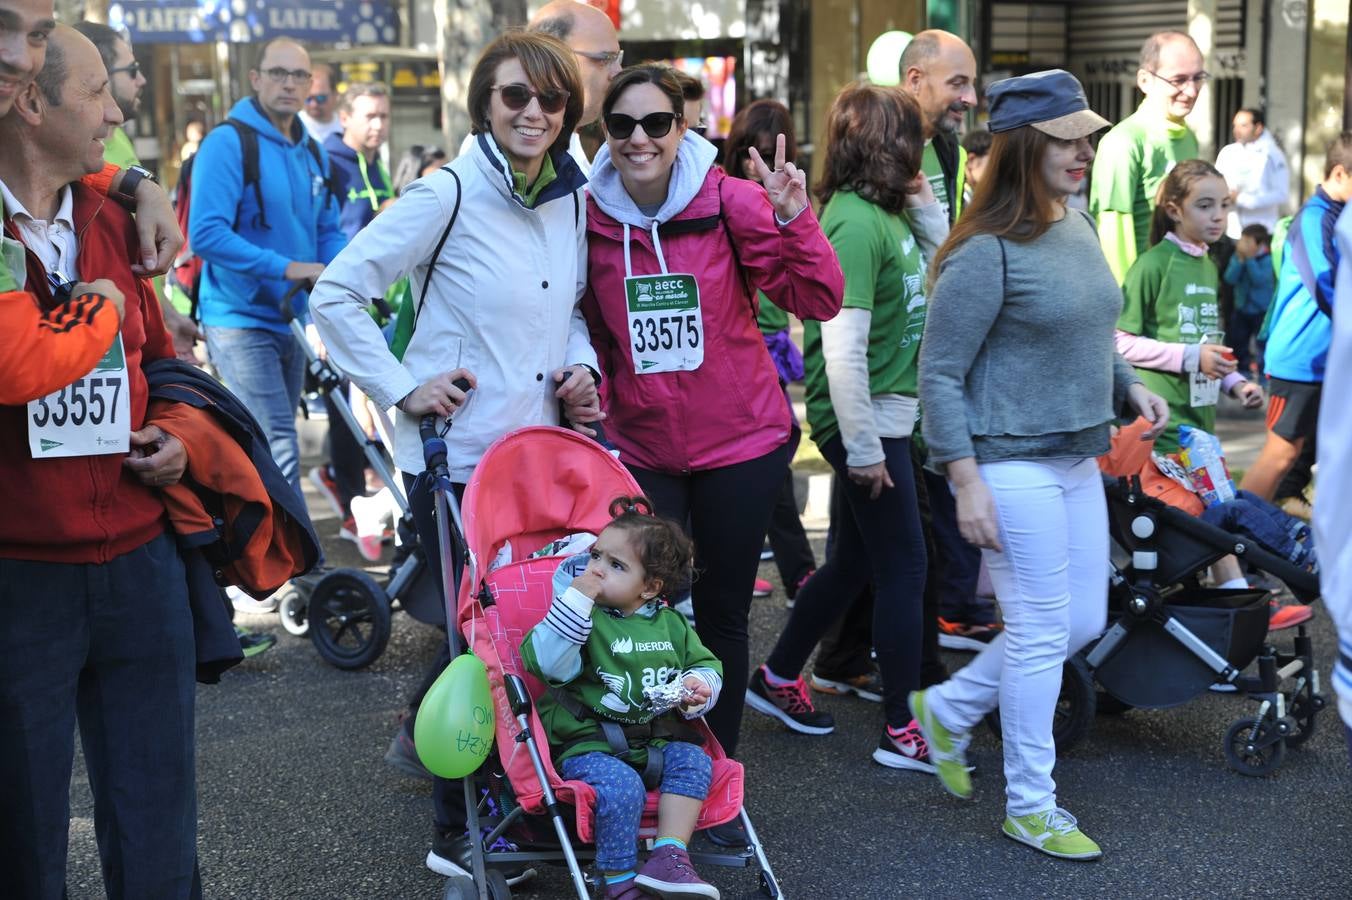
(884, 55)
(454, 729)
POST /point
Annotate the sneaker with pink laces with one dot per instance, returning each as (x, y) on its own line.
(789, 703)
(762, 588)
(668, 873)
(904, 749)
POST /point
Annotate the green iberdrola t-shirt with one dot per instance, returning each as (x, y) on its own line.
(1171, 296)
(884, 273)
(622, 656)
(1132, 159)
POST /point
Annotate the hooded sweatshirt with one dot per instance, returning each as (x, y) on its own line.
(362, 186)
(723, 231)
(242, 278)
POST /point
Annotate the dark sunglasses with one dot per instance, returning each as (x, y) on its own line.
(132, 70)
(317, 98)
(517, 97)
(655, 125)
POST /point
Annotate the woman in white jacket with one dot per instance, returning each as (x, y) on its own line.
(495, 248)
(494, 245)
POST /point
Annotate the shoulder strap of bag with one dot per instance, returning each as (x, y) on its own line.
(1296, 250)
(248, 153)
(436, 254)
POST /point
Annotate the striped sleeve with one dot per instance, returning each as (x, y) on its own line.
(41, 353)
(569, 616)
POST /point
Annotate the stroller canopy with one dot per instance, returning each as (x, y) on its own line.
(536, 484)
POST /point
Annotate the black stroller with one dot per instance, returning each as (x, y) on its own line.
(1169, 639)
(346, 612)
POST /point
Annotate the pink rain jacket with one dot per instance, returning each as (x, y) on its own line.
(731, 409)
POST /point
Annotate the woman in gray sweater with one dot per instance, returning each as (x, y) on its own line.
(1020, 384)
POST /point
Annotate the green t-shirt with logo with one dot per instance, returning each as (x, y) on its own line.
(770, 318)
(1170, 296)
(1132, 159)
(622, 656)
(885, 274)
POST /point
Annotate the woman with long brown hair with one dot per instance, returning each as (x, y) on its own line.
(1020, 385)
(861, 404)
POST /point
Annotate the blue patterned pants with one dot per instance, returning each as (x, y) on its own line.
(686, 771)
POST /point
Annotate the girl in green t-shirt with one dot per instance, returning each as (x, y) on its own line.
(1170, 327)
(606, 638)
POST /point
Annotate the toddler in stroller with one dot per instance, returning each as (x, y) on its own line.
(532, 487)
(617, 662)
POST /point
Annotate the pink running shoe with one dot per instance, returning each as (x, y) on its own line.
(669, 874)
(789, 703)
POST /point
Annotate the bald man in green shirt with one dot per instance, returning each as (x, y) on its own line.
(1139, 151)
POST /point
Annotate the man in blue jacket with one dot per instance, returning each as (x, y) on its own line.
(254, 240)
(1300, 324)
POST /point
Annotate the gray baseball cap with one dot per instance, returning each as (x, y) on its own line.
(1053, 102)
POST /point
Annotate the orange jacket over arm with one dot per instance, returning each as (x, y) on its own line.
(41, 352)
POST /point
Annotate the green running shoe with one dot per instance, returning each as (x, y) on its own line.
(1054, 832)
(254, 642)
(947, 751)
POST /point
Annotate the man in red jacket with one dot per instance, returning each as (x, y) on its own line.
(95, 626)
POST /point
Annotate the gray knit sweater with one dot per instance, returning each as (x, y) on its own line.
(1017, 360)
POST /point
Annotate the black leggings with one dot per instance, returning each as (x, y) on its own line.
(881, 539)
(728, 510)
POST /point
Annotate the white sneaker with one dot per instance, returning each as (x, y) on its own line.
(369, 514)
(246, 604)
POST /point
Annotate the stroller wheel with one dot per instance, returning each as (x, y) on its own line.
(1303, 709)
(1075, 707)
(349, 618)
(293, 611)
(1253, 747)
(460, 888)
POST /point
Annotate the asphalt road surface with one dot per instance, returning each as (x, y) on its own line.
(295, 801)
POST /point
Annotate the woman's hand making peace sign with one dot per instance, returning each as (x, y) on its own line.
(786, 184)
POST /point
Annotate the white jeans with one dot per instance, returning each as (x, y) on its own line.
(1052, 584)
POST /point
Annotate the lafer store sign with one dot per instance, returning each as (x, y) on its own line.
(249, 21)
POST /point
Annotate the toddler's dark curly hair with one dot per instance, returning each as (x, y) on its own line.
(663, 549)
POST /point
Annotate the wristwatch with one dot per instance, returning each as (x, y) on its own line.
(131, 180)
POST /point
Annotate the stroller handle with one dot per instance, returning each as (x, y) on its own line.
(284, 304)
(434, 445)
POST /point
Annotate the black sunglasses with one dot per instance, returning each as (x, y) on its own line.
(517, 97)
(132, 70)
(655, 125)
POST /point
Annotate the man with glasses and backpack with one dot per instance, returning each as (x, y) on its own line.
(263, 214)
(1136, 154)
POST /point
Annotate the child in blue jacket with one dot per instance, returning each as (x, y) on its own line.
(1251, 274)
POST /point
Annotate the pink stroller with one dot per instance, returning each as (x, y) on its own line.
(532, 487)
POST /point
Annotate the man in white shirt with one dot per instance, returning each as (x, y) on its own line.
(319, 115)
(1255, 168)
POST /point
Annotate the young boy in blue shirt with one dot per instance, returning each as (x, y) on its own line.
(1251, 274)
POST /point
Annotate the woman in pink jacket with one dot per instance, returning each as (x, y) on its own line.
(676, 252)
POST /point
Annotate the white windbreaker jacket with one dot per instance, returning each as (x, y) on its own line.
(502, 302)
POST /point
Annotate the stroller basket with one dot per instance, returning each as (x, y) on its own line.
(1154, 671)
